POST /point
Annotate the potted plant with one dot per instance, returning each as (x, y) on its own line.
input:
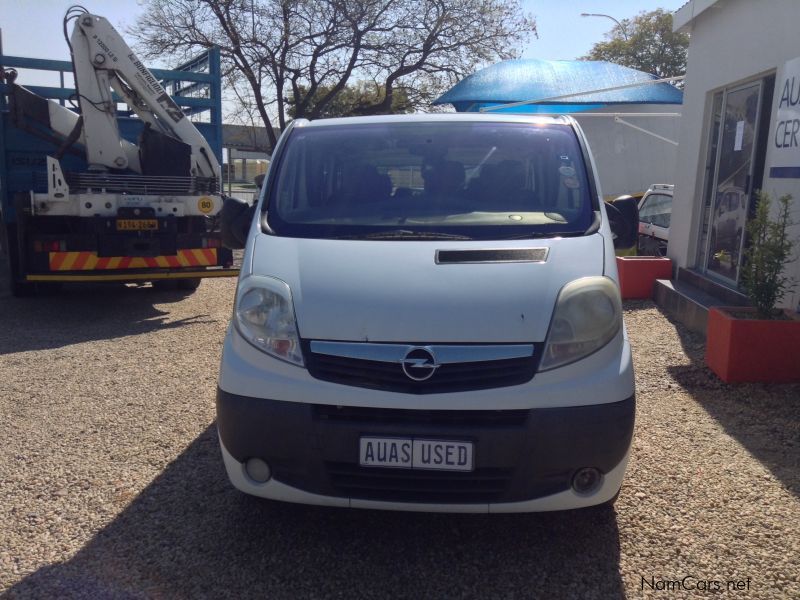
(761, 343)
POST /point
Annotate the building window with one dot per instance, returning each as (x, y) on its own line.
(734, 170)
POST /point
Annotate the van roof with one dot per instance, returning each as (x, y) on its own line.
(440, 118)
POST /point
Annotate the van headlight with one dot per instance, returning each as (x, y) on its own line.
(587, 316)
(264, 316)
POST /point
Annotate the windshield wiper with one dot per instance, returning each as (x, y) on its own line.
(545, 234)
(404, 234)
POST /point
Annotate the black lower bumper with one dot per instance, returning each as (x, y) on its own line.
(519, 454)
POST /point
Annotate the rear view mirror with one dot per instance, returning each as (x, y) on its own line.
(623, 218)
(234, 221)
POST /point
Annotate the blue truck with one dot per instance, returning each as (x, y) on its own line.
(78, 205)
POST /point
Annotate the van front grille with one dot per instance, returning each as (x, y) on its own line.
(452, 377)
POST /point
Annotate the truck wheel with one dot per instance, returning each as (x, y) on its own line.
(189, 285)
(9, 263)
(49, 288)
(170, 285)
(165, 285)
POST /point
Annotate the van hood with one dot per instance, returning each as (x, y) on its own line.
(394, 291)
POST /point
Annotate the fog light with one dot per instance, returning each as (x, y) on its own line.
(587, 481)
(257, 470)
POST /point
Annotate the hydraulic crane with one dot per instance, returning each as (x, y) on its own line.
(104, 207)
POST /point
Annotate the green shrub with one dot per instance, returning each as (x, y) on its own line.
(769, 252)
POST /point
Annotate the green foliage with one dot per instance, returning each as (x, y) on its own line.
(770, 250)
(647, 43)
(352, 100)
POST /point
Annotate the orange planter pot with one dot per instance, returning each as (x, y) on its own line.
(750, 350)
(638, 274)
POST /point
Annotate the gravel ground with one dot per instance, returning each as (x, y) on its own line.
(112, 485)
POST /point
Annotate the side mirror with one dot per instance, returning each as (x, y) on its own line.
(623, 217)
(234, 222)
(259, 180)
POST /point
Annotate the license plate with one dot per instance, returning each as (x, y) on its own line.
(412, 453)
(137, 224)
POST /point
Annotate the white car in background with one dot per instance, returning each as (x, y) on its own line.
(655, 210)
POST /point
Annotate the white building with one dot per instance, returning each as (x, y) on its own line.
(733, 141)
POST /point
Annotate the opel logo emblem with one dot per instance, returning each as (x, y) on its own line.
(419, 364)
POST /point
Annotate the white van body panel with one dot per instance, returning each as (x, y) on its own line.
(602, 377)
(390, 291)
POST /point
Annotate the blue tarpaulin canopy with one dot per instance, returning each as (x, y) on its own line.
(532, 79)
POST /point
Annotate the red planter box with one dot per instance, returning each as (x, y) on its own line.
(638, 274)
(749, 350)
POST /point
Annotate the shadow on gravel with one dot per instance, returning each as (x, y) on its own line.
(189, 534)
(84, 313)
(764, 418)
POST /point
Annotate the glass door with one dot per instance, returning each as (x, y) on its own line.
(732, 182)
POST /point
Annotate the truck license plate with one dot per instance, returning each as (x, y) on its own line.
(137, 224)
(409, 453)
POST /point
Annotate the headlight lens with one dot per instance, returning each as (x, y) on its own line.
(264, 316)
(587, 316)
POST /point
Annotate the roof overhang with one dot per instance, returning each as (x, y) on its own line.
(683, 17)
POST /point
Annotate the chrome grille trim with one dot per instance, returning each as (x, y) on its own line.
(445, 354)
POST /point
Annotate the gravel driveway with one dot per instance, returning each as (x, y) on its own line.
(112, 485)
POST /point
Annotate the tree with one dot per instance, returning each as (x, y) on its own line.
(300, 55)
(354, 98)
(647, 43)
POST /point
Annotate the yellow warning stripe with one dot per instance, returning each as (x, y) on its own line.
(135, 276)
(89, 261)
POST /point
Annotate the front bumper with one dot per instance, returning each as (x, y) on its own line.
(524, 459)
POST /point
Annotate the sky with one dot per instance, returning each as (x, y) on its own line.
(565, 35)
(33, 27)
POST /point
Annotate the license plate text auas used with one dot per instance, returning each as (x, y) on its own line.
(409, 453)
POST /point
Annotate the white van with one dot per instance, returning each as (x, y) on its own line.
(428, 318)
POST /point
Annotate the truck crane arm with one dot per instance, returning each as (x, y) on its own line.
(113, 210)
(102, 61)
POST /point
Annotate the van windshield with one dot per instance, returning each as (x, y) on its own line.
(431, 180)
